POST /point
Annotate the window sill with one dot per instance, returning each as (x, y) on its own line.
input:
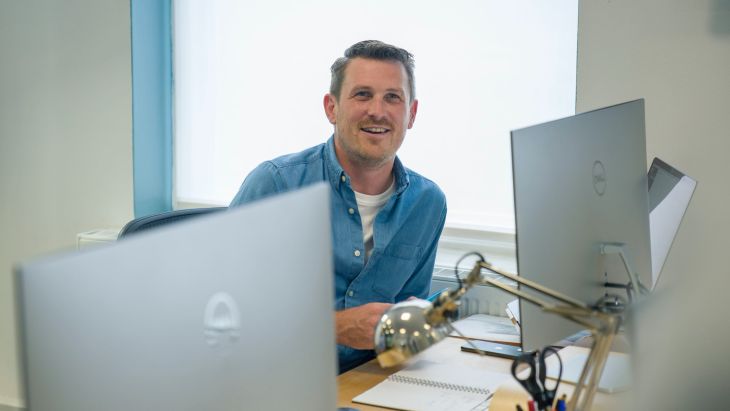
(496, 245)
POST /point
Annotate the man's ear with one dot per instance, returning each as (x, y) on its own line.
(412, 113)
(330, 108)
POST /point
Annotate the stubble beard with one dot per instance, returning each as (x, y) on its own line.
(358, 155)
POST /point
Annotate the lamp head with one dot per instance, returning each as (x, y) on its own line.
(406, 329)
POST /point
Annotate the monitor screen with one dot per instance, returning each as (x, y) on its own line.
(579, 182)
(229, 311)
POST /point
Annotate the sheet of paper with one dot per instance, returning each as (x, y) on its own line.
(513, 310)
(487, 327)
(616, 375)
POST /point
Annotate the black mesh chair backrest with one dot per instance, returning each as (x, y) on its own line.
(170, 217)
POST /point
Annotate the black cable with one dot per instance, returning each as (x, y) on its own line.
(456, 267)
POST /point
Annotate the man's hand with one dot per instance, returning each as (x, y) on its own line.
(355, 327)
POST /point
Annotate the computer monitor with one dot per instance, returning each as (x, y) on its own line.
(579, 182)
(670, 191)
(231, 311)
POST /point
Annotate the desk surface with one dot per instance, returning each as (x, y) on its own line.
(362, 378)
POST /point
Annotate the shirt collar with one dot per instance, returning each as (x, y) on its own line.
(401, 176)
(335, 171)
(337, 175)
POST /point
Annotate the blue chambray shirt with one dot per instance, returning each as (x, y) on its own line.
(405, 231)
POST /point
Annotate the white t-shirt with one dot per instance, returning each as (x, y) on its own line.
(368, 207)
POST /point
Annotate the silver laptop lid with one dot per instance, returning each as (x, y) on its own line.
(233, 311)
(670, 191)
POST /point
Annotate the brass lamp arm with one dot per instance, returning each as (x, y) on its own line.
(602, 325)
(530, 284)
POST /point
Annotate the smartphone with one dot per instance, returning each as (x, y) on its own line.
(493, 348)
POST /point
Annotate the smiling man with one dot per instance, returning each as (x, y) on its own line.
(386, 219)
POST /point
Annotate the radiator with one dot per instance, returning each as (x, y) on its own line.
(480, 299)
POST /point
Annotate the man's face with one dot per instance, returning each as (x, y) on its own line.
(372, 113)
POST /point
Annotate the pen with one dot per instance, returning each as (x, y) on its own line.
(435, 295)
(519, 407)
(531, 405)
(560, 406)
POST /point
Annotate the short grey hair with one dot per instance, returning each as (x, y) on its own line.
(376, 50)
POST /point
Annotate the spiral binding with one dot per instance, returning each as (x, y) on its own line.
(436, 384)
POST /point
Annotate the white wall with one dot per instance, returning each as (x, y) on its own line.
(675, 54)
(65, 136)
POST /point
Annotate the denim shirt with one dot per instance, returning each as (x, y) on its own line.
(405, 231)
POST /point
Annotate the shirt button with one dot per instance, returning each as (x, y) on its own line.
(351, 210)
(343, 178)
(357, 253)
(350, 293)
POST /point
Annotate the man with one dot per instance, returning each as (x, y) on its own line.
(386, 219)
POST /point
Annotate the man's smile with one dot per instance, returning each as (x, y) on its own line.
(375, 130)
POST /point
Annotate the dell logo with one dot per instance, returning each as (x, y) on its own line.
(221, 322)
(599, 178)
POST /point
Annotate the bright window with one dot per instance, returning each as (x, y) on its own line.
(250, 77)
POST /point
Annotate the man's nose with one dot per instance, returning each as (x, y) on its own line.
(376, 108)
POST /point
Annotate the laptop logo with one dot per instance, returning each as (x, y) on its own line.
(222, 321)
(599, 178)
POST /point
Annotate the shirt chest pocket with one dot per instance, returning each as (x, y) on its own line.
(392, 268)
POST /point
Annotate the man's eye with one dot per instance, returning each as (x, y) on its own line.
(362, 94)
(393, 98)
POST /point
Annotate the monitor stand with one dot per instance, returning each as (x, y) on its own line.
(633, 287)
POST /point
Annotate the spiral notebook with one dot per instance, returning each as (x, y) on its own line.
(429, 386)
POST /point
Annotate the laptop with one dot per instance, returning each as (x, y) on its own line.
(670, 192)
(232, 311)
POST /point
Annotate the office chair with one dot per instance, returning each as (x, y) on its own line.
(169, 217)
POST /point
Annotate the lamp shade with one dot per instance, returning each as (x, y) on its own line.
(405, 330)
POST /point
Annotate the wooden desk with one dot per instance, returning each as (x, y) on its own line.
(362, 378)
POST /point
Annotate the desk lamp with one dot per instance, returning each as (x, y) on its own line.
(410, 327)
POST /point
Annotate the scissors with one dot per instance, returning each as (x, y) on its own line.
(534, 383)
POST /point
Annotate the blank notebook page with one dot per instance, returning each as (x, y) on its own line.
(429, 386)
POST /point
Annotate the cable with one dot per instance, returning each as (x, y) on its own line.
(456, 267)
